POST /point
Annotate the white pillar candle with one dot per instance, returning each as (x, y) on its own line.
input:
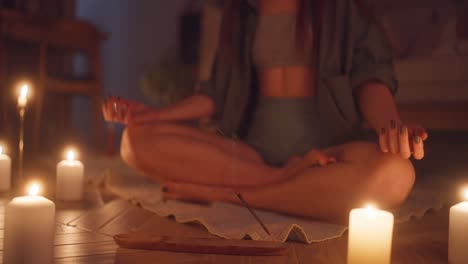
(5, 171)
(29, 229)
(458, 233)
(70, 178)
(370, 236)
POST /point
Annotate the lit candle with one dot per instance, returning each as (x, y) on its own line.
(70, 178)
(370, 236)
(5, 171)
(23, 96)
(29, 229)
(458, 232)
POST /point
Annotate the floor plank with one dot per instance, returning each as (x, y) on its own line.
(87, 249)
(126, 256)
(81, 238)
(96, 218)
(130, 220)
(166, 226)
(96, 259)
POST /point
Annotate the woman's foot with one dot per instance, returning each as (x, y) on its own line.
(313, 158)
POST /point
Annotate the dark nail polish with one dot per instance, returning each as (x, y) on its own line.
(392, 124)
(164, 189)
(417, 139)
(402, 130)
(383, 131)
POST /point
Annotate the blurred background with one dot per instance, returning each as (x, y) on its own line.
(76, 52)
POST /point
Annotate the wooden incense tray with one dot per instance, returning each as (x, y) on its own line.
(149, 241)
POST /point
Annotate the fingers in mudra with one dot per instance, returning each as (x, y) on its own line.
(393, 138)
(418, 147)
(403, 140)
(383, 140)
(115, 109)
(405, 150)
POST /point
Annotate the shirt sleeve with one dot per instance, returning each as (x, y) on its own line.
(373, 58)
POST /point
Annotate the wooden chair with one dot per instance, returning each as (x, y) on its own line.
(67, 34)
(76, 36)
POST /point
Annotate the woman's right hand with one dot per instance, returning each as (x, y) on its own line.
(124, 111)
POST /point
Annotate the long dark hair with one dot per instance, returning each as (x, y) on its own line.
(234, 24)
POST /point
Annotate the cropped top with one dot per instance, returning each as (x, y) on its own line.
(275, 42)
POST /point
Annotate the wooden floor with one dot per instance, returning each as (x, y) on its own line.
(84, 231)
(85, 236)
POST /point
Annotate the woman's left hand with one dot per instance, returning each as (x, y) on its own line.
(404, 140)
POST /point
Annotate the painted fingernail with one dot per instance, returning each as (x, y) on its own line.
(164, 189)
(383, 131)
(392, 124)
(402, 130)
(417, 139)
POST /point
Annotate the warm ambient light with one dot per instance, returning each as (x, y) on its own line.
(1, 150)
(465, 194)
(34, 189)
(70, 155)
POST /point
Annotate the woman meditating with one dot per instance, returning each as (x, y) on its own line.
(293, 85)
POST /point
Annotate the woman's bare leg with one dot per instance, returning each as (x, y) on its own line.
(174, 152)
(239, 148)
(362, 174)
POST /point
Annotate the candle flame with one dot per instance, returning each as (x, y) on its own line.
(24, 91)
(34, 189)
(371, 207)
(371, 210)
(1, 150)
(71, 155)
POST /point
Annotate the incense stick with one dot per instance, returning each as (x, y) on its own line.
(239, 195)
(251, 210)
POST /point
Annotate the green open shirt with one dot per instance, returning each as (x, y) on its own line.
(352, 50)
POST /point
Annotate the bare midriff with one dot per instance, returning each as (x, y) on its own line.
(287, 80)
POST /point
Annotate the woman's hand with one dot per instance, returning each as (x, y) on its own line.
(120, 110)
(405, 140)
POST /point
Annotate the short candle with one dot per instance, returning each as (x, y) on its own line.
(370, 236)
(70, 178)
(458, 232)
(5, 171)
(29, 229)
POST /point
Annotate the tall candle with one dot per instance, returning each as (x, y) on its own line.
(70, 178)
(458, 232)
(370, 236)
(5, 171)
(23, 96)
(29, 229)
